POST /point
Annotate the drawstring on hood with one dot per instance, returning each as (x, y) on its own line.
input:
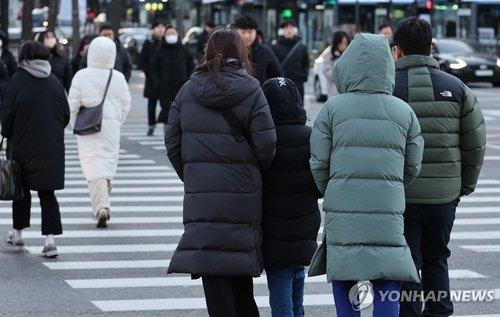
(37, 67)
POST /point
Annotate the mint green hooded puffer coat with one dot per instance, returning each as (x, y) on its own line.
(365, 148)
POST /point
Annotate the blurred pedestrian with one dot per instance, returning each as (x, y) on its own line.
(98, 153)
(455, 142)
(4, 79)
(366, 148)
(293, 55)
(145, 60)
(386, 30)
(170, 68)
(219, 139)
(82, 50)
(123, 62)
(340, 42)
(202, 38)
(7, 57)
(59, 62)
(291, 218)
(34, 114)
(264, 61)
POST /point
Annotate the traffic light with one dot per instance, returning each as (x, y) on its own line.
(428, 4)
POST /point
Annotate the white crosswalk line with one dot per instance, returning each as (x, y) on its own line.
(114, 209)
(145, 175)
(128, 168)
(111, 248)
(116, 220)
(123, 190)
(152, 143)
(477, 221)
(114, 199)
(120, 162)
(475, 235)
(477, 210)
(482, 248)
(480, 199)
(110, 233)
(69, 157)
(92, 265)
(131, 182)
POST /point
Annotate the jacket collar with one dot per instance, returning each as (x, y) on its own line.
(413, 61)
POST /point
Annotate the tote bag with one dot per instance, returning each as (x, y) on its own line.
(10, 177)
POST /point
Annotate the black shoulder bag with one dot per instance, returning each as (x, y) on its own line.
(10, 177)
(237, 128)
(89, 120)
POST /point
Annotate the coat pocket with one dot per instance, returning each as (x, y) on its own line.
(318, 262)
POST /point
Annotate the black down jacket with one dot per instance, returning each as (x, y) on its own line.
(222, 177)
(34, 120)
(145, 59)
(291, 218)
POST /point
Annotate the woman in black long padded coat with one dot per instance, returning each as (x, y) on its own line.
(33, 120)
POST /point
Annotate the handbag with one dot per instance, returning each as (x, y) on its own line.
(10, 178)
(89, 120)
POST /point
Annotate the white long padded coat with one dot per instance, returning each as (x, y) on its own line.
(98, 152)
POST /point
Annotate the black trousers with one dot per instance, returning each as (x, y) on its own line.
(51, 216)
(300, 88)
(152, 111)
(230, 296)
(427, 231)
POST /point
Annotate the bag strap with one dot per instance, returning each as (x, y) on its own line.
(237, 128)
(107, 85)
(289, 55)
(1, 150)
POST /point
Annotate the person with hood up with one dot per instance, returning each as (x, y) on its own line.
(264, 61)
(340, 42)
(123, 62)
(6, 55)
(145, 59)
(222, 174)
(291, 218)
(170, 68)
(98, 152)
(59, 62)
(293, 55)
(33, 121)
(366, 148)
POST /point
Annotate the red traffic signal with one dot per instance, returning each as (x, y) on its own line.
(428, 4)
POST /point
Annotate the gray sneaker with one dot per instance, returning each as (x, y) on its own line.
(9, 240)
(50, 251)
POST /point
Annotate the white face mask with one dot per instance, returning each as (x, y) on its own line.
(50, 43)
(171, 39)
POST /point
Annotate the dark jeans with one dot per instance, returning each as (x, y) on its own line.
(427, 231)
(286, 290)
(229, 296)
(152, 111)
(51, 217)
(383, 306)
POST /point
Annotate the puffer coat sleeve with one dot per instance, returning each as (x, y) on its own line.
(321, 148)
(173, 139)
(413, 152)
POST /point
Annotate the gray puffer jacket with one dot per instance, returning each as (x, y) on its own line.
(222, 177)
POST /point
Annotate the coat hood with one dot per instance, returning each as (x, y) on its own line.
(284, 101)
(239, 83)
(366, 66)
(102, 53)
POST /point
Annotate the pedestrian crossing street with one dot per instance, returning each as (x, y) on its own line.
(123, 268)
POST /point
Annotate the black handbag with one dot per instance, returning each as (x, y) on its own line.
(89, 120)
(10, 178)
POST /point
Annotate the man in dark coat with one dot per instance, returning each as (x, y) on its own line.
(145, 59)
(202, 38)
(265, 63)
(290, 215)
(33, 120)
(7, 57)
(123, 62)
(296, 65)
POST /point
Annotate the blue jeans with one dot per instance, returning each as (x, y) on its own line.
(382, 289)
(286, 290)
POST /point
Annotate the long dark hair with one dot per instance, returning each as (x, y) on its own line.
(58, 49)
(337, 39)
(224, 48)
(84, 41)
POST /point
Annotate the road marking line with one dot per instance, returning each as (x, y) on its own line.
(118, 209)
(89, 220)
(92, 265)
(67, 234)
(112, 248)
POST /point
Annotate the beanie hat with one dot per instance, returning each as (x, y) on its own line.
(284, 100)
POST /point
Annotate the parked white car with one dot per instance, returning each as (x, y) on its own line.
(320, 81)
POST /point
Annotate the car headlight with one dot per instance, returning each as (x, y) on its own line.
(498, 62)
(459, 64)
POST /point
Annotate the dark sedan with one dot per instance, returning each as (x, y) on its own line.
(467, 61)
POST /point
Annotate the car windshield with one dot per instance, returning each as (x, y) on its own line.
(450, 47)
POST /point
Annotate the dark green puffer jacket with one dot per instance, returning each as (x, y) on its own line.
(452, 126)
(365, 147)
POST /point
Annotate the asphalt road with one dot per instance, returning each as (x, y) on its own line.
(121, 270)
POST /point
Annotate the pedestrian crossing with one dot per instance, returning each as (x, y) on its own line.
(123, 267)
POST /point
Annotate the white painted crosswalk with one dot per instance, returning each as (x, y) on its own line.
(133, 253)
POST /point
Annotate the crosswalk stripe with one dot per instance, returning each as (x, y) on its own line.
(492, 158)
(89, 220)
(477, 221)
(144, 138)
(110, 233)
(128, 168)
(139, 175)
(118, 209)
(114, 199)
(112, 248)
(474, 210)
(159, 148)
(152, 143)
(480, 199)
(132, 182)
(488, 182)
(187, 281)
(123, 190)
(121, 156)
(120, 162)
(121, 151)
(482, 248)
(92, 265)
(482, 190)
(475, 235)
